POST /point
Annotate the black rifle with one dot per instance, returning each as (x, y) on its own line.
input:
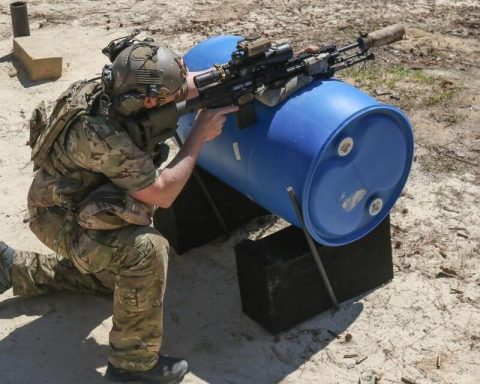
(257, 63)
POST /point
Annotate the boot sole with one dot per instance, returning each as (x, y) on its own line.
(141, 381)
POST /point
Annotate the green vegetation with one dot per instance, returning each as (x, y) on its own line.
(442, 97)
(387, 76)
(413, 87)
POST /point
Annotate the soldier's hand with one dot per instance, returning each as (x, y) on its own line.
(209, 122)
(309, 49)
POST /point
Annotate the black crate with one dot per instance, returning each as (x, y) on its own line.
(191, 221)
(280, 285)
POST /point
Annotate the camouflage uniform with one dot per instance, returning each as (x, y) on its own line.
(131, 259)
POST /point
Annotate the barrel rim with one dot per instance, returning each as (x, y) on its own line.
(358, 233)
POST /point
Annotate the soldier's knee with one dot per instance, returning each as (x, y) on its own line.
(157, 249)
(150, 251)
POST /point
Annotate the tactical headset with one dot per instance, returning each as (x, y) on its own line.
(140, 69)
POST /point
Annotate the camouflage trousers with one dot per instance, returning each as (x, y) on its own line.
(131, 261)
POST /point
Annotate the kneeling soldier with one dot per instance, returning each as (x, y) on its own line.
(93, 196)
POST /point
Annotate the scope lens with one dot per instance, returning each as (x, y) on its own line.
(207, 78)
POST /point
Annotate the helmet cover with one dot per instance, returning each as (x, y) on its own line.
(145, 69)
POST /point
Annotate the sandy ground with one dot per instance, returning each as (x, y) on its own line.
(430, 310)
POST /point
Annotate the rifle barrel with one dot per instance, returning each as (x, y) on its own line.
(348, 47)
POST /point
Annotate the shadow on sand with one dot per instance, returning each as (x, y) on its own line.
(52, 342)
(204, 323)
(63, 338)
(22, 74)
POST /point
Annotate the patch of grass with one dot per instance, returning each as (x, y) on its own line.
(443, 96)
(413, 87)
(422, 77)
(388, 76)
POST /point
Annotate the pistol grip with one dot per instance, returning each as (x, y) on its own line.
(246, 115)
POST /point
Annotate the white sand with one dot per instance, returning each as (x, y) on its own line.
(402, 328)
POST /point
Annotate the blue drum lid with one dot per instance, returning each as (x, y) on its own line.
(358, 175)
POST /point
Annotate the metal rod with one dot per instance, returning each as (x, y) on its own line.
(355, 56)
(351, 63)
(204, 189)
(313, 247)
(348, 47)
(19, 13)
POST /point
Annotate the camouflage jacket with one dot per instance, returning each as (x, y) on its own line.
(91, 153)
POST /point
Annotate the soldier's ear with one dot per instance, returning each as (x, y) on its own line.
(150, 102)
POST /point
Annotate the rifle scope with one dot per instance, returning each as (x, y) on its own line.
(242, 64)
(207, 78)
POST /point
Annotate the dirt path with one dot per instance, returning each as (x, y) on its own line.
(430, 310)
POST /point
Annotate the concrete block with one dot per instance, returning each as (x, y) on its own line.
(38, 57)
(279, 282)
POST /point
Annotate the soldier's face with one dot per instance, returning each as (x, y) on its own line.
(152, 102)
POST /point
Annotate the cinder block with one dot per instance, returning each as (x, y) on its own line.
(280, 285)
(38, 57)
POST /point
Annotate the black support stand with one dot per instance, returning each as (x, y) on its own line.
(283, 279)
(313, 247)
(206, 209)
(280, 284)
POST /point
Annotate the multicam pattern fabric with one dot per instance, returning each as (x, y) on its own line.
(108, 207)
(91, 152)
(132, 260)
(274, 95)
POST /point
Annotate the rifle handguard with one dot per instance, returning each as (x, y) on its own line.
(317, 65)
(383, 36)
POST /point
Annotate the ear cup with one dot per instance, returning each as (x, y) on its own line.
(108, 79)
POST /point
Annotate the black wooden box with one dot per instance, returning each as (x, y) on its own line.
(191, 221)
(280, 285)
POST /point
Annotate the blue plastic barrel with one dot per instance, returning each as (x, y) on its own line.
(346, 155)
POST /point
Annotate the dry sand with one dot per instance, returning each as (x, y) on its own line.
(402, 327)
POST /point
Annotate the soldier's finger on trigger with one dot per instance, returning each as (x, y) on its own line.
(228, 109)
(232, 108)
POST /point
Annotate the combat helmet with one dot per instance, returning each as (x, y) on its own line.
(139, 69)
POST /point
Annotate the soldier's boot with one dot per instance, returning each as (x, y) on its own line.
(168, 370)
(6, 261)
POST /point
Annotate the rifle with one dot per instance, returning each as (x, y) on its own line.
(257, 63)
